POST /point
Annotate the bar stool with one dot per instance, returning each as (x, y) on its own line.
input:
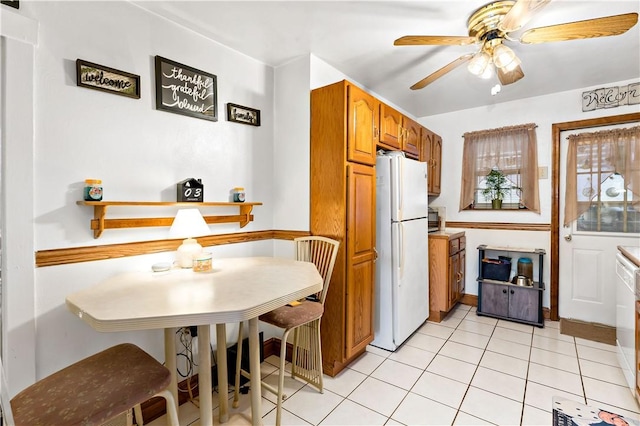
(92, 391)
(303, 319)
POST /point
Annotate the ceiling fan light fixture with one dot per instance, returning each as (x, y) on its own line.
(488, 72)
(512, 65)
(479, 63)
(502, 55)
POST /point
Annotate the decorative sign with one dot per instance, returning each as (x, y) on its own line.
(184, 90)
(99, 77)
(242, 114)
(611, 97)
(190, 190)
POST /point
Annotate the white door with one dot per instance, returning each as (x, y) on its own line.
(588, 249)
(409, 186)
(410, 277)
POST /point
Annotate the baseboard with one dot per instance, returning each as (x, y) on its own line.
(588, 330)
(469, 299)
(156, 407)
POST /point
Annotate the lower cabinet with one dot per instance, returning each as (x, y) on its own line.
(447, 255)
(509, 301)
(501, 299)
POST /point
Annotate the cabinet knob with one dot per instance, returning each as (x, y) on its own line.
(512, 292)
(504, 291)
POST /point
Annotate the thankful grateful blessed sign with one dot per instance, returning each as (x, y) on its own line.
(99, 77)
(185, 90)
(611, 97)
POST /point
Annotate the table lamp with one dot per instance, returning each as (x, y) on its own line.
(187, 224)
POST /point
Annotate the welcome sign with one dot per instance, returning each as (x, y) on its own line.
(611, 97)
(185, 90)
(99, 77)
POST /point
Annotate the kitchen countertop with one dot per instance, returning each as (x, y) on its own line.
(446, 234)
(632, 253)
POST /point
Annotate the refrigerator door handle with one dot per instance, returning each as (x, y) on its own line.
(400, 252)
(400, 189)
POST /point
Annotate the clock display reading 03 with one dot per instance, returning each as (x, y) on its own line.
(190, 190)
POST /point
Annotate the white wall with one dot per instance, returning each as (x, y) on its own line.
(291, 150)
(139, 153)
(542, 110)
(18, 37)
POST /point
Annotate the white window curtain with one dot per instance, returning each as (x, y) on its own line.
(510, 149)
(599, 155)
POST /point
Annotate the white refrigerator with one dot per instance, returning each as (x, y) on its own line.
(402, 267)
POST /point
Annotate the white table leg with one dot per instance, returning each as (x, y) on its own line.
(204, 375)
(254, 363)
(170, 361)
(223, 384)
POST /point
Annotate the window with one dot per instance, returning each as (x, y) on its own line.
(603, 181)
(508, 151)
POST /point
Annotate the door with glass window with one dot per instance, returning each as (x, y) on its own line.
(589, 243)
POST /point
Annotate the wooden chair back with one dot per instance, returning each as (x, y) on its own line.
(322, 252)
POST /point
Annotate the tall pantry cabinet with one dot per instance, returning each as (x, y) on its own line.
(344, 131)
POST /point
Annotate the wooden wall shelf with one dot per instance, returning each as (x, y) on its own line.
(99, 222)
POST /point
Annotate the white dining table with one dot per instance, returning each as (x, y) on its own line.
(236, 289)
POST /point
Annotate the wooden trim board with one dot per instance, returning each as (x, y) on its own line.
(588, 330)
(115, 251)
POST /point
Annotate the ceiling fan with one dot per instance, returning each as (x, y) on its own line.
(490, 26)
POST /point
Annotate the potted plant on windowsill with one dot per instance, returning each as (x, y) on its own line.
(497, 188)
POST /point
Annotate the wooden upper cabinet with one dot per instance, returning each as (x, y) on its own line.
(431, 153)
(436, 166)
(411, 137)
(426, 138)
(362, 126)
(390, 127)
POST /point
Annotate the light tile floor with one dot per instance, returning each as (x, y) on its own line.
(466, 370)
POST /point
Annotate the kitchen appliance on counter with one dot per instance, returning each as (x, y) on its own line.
(626, 318)
(436, 216)
(402, 268)
(433, 220)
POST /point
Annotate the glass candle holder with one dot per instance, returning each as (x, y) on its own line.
(202, 262)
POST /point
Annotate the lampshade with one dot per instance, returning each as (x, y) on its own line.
(479, 63)
(512, 65)
(488, 72)
(188, 223)
(510, 77)
(502, 56)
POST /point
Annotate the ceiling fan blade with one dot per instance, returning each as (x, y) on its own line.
(590, 28)
(520, 14)
(508, 77)
(414, 40)
(442, 71)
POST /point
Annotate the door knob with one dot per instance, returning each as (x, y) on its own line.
(567, 237)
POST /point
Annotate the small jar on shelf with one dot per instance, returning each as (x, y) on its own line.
(238, 194)
(93, 190)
